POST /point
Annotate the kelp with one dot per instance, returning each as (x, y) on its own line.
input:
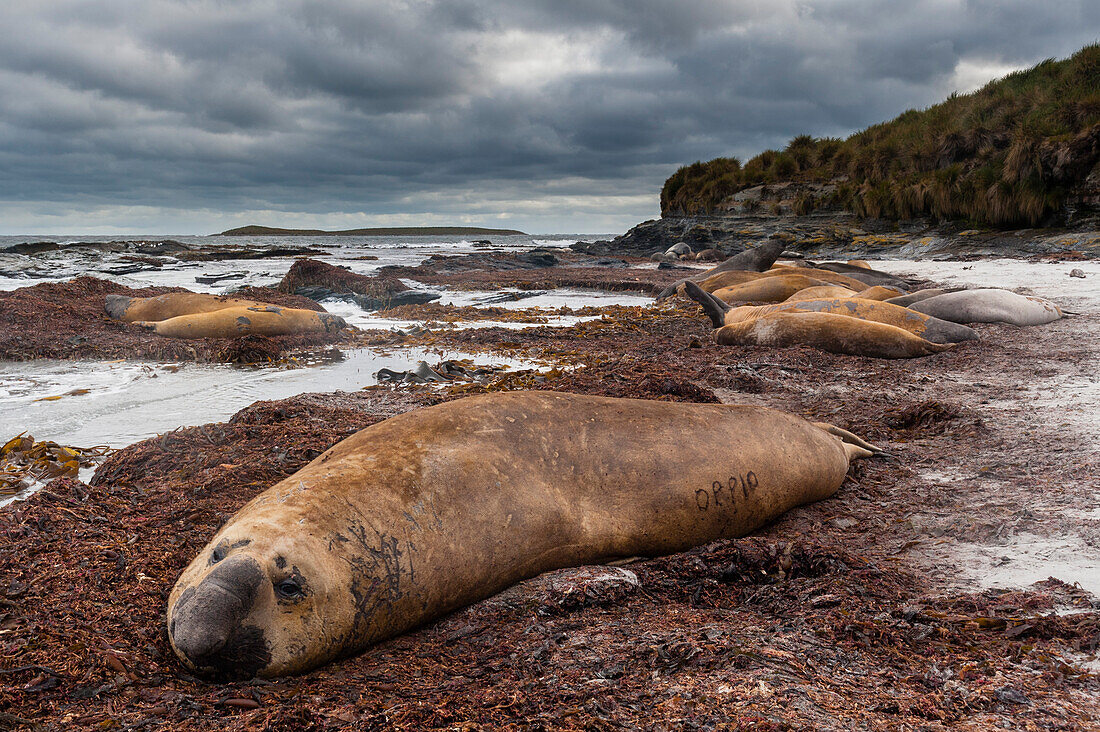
(25, 461)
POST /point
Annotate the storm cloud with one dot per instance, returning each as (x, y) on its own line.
(546, 115)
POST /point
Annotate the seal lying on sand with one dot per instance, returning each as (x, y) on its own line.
(268, 320)
(912, 297)
(842, 325)
(751, 260)
(925, 326)
(863, 274)
(170, 305)
(765, 289)
(440, 507)
(827, 332)
(989, 306)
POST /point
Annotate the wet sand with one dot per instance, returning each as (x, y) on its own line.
(904, 602)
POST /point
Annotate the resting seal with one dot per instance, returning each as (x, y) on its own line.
(842, 325)
(989, 306)
(912, 297)
(750, 260)
(827, 332)
(816, 293)
(921, 325)
(269, 320)
(863, 274)
(440, 507)
(170, 305)
(765, 289)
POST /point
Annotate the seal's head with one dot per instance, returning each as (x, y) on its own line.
(259, 602)
(332, 323)
(116, 305)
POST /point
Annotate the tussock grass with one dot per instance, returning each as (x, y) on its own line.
(1004, 155)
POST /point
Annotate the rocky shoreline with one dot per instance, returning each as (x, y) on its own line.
(839, 235)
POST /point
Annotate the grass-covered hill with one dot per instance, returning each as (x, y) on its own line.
(1008, 154)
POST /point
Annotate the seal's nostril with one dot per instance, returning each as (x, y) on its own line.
(198, 647)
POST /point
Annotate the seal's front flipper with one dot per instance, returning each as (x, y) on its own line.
(714, 308)
(670, 290)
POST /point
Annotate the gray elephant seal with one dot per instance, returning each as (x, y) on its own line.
(440, 507)
(989, 306)
(912, 297)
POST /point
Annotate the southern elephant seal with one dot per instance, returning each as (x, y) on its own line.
(766, 289)
(989, 306)
(827, 332)
(912, 297)
(440, 507)
(269, 320)
(829, 278)
(879, 292)
(863, 274)
(820, 291)
(921, 325)
(170, 305)
(757, 259)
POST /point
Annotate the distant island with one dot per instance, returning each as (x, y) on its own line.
(399, 231)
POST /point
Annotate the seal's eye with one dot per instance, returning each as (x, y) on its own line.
(218, 554)
(288, 589)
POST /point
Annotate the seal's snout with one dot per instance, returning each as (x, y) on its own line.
(206, 626)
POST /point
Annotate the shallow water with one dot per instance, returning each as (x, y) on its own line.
(128, 401)
(343, 251)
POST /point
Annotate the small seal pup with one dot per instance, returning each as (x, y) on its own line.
(234, 322)
(989, 306)
(440, 507)
(170, 305)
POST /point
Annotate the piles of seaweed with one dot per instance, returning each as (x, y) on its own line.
(66, 320)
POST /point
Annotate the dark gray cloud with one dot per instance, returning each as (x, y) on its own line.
(544, 114)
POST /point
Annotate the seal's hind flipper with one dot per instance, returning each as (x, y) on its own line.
(714, 308)
(850, 439)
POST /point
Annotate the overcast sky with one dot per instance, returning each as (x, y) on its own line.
(192, 116)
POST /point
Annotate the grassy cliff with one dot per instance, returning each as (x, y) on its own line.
(1005, 155)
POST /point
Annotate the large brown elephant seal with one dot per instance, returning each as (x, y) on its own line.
(821, 291)
(765, 289)
(437, 508)
(170, 305)
(863, 274)
(234, 322)
(757, 259)
(923, 326)
(824, 275)
(827, 332)
(879, 292)
(989, 306)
